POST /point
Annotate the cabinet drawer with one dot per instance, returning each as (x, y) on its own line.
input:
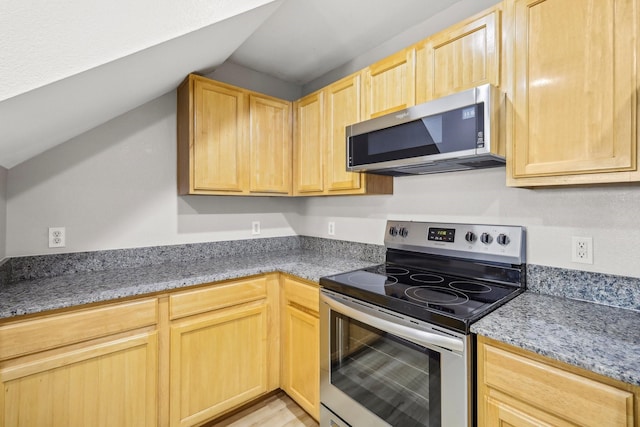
(569, 396)
(216, 296)
(305, 295)
(57, 330)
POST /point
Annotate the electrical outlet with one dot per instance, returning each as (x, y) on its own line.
(255, 228)
(331, 228)
(582, 249)
(57, 238)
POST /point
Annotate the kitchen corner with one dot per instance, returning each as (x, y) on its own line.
(42, 283)
(571, 316)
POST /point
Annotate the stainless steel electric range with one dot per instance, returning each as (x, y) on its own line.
(395, 342)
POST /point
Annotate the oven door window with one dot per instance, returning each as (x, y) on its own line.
(395, 379)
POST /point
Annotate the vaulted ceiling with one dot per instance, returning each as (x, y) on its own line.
(68, 66)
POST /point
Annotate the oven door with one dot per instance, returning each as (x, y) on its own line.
(378, 368)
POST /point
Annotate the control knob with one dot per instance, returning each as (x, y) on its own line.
(393, 231)
(503, 239)
(403, 232)
(486, 238)
(470, 236)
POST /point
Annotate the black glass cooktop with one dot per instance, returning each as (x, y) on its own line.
(444, 299)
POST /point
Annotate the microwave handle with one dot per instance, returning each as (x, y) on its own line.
(417, 336)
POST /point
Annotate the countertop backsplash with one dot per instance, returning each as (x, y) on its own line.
(18, 269)
(599, 288)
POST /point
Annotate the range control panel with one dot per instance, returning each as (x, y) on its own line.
(499, 243)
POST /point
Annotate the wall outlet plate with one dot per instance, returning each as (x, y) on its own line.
(582, 249)
(57, 237)
(255, 228)
(331, 228)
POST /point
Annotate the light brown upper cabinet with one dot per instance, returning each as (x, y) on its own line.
(572, 81)
(211, 137)
(463, 56)
(308, 149)
(342, 108)
(232, 141)
(269, 145)
(320, 149)
(389, 84)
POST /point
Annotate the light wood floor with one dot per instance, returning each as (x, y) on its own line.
(275, 411)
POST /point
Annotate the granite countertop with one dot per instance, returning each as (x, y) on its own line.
(35, 296)
(599, 338)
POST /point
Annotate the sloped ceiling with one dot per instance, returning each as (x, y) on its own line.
(70, 65)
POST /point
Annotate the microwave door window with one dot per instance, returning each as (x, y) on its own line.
(400, 139)
(451, 131)
(433, 126)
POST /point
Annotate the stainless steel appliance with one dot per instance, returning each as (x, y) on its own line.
(451, 133)
(395, 342)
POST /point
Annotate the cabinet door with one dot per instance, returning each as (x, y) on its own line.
(461, 57)
(309, 153)
(301, 358)
(111, 383)
(301, 344)
(389, 85)
(501, 414)
(574, 91)
(514, 385)
(270, 145)
(218, 361)
(219, 114)
(342, 104)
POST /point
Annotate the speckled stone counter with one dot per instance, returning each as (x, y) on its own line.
(602, 339)
(49, 293)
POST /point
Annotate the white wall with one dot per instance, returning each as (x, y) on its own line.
(551, 215)
(3, 212)
(247, 78)
(115, 187)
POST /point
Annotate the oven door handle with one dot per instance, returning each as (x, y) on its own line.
(417, 336)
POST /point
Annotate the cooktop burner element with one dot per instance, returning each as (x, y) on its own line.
(427, 278)
(432, 295)
(446, 274)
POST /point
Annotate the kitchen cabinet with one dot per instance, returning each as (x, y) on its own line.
(521, 389)
(572, 83)
(342, 108)
(320, 158)
(269, 145)
(389, 84)
(309, 155)
(223, 347)
(85, 367)
(232, 141)
(301, 343)
(463, 56)
(212, 137)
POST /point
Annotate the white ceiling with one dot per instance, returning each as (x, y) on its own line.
(70, 65)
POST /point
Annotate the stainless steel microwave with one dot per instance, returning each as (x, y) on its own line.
(452, 133)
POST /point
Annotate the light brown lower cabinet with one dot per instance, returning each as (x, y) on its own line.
(221, 348)
(177, 359)
(300, 358)
(89, 367)
(518, 388)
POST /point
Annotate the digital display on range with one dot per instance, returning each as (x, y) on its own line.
(441, 234)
